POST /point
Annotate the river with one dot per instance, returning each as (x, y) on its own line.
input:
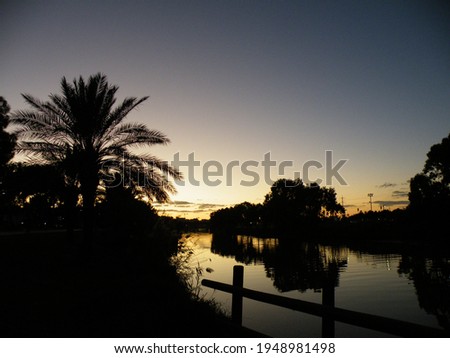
(392, 282)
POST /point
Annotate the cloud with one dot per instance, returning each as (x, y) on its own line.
(392, 202)
(400, 194)
(350, 206)
(176, 203)
(179, 202)
(176, 211)
(182, 211)
(210, 206)
(202, 211)
(387, 185)
(186, 207)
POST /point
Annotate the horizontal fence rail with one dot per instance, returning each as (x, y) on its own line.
(328, 313)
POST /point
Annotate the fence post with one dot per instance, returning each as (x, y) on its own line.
(328, 300)
(236, 300)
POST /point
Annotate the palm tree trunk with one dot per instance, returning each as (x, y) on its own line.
(88, 192)
(70, 204)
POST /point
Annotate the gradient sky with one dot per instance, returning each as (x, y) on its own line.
(233, 80)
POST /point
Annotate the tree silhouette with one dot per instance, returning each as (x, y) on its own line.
(7, 140)
(35, 194)
(430, 190)
(83, 134)
(125, 214)
(291, 203)
(7, 144)
(241, 216)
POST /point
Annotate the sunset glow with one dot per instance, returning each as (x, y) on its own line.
(232, 81)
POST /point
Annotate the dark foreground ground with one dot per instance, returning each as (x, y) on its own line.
(50, 288)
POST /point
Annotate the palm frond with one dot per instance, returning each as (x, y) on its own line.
(128, 135)
(34, 102)
(119, 113)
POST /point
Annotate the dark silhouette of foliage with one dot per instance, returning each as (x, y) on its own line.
(29, 180)
(430, 190)
(237, 218)
(85, 136)
(34, 197)
(7, 144)
(125, 215)
(397, 215)
(7, 140)
(289, 205)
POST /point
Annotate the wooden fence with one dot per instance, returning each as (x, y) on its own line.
(326, 310)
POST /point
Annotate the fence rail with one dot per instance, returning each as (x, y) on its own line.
(327, 311)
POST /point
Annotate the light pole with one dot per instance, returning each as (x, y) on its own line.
(370, 195)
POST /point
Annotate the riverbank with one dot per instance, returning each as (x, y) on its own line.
(364, 233)
(51, 288)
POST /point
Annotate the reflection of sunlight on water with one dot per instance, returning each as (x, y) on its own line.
(331, 254)
(200, 240)
(257, 243)
(194, 248)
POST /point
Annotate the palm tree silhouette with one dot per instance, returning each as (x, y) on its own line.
(83, 134)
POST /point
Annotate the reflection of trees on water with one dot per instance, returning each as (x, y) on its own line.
(244, 249)
(224, 245)
(291, 266)
(431, 279)
(254, 250)
(303, 266)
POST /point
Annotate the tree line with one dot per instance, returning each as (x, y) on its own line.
(292, 207)
(81, 171)
(289, 204)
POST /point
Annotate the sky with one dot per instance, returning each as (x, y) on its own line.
(232, 83)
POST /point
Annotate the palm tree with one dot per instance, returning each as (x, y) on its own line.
(81, 133)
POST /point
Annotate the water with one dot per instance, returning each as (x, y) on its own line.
(388, 283)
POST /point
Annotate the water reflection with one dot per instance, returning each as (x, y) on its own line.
(303, 266)
(291, 266)
(431, 277)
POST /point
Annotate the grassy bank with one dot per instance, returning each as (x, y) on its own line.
(50, 288)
